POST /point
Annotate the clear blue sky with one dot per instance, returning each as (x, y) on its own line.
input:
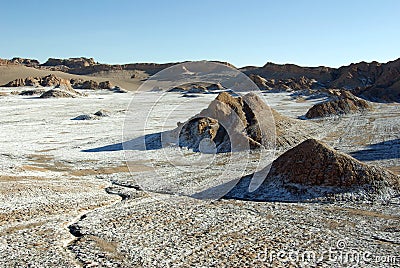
(303, 32)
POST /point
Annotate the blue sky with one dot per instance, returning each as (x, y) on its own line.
(307, 32)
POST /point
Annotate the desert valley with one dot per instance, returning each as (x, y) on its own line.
(199, 164)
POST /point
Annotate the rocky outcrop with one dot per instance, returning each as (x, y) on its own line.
(20, 61)
(26, 62)
(32, 92)
(374, 81)
(54, 93)
(15, 83)
(71, 62)
(45, 81)
(380, 94)
(117, 89)
(97, 115)
(52, 80)
(61, 90)
(234, 124)
(290, 84)
(343, 102)
(313, 170)
(90, 84)
(215, 87)
(200, 87)
(106, 85)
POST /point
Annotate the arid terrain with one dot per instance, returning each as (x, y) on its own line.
(86, 183)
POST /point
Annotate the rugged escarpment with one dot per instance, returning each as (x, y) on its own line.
(374, 81)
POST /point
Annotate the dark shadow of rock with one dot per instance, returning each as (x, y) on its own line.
(142, 143)
(379, 151)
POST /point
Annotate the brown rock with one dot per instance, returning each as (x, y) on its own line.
(261, 82)
(20, 61)
(215, 87)
(315, 163)
(290, 84)
(106, 85)
(314, 170)
(49, 81)
(31, 92)
(343, 103)
(62, 90)
(76, 83)
(90, 84)
(71, 62)
(54, 93)
(26, 62)
(241, 123)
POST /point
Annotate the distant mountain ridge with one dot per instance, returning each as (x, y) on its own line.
(374, 81)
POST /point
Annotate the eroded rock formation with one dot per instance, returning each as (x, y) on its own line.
(343, 102)
(314, 170)
(240, 123)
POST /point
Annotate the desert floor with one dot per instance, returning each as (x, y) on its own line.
(69, 190)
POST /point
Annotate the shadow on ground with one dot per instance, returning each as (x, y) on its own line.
(143, 143)
(379, 151)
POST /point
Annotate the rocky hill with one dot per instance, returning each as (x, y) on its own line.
(374, 81)
(342, 102)
(234, 124)
(313, 170)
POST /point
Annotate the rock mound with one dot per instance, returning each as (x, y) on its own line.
(117, 89)
(102, 113)
(343, 102)
(62, 90)
(313, 170)
(85, 117)
(90, 84)
(32, 92)
(106, 85)
(239, 123)
(97, 115)
(198, 88)
(54, 93)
